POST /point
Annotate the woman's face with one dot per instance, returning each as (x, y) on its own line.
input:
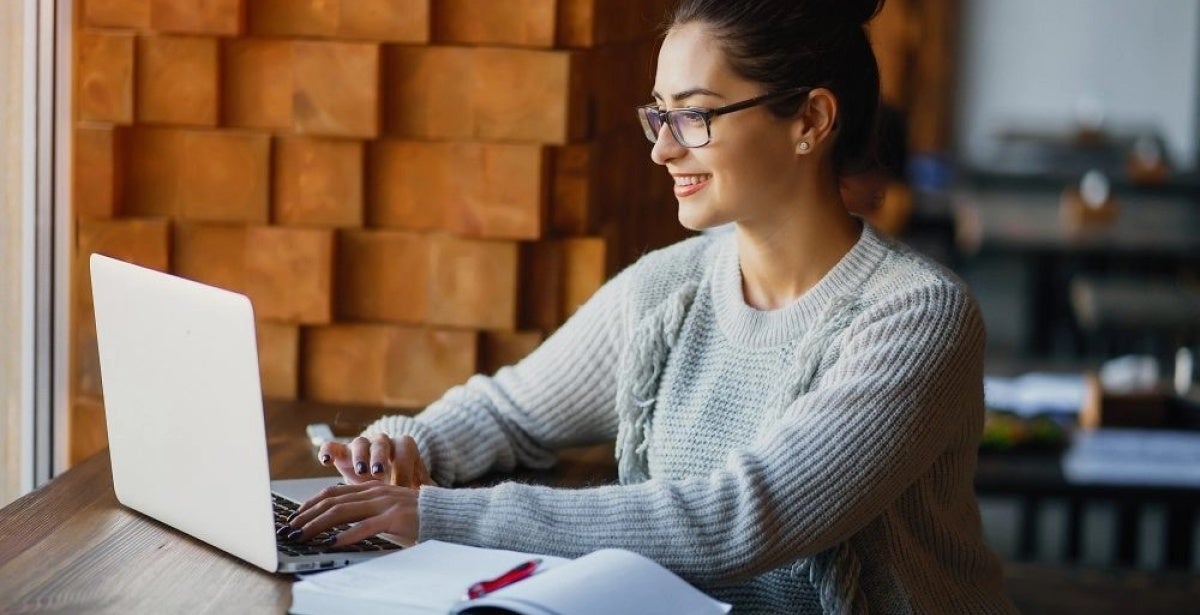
(747, 172)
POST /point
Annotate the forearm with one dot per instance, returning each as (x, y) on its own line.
(561, 395)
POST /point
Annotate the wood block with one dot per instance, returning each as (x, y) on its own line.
(336, 89)
(422, 364)
(200, 175)
(142, 242)
(407, 181)
(278, 359)
(473, 283)
(383, 364)
(480, 103)
(104, 76)
(344, 364)
(318, 182)
(549, 107)
(86, 427)
(97, 174)
(502, 348)
(521, 23)
(576, 23)
(595, 23)
(177, 80)
(422, 185)
(397, 21)
(223, 17)
(572, 204)
(289, 274)
(541, 279)
(297, 18)
(117, 14)
(422, 99)
(383, 276)
(213, 254)
(585, 271)
(502, 194)
(613, 107)
(258, 84)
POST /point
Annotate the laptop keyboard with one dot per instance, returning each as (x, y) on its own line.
(284, 509)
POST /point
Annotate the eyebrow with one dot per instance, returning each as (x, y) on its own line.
(688, 94)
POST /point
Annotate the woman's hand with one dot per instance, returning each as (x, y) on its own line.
(379, 458)
(374, 506)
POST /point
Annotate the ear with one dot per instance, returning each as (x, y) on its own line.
(816, 121)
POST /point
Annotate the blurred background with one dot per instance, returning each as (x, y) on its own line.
(413, 191)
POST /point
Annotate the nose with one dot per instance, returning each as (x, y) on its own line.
(666, 148)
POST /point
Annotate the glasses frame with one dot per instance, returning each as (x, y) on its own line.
(646, 112)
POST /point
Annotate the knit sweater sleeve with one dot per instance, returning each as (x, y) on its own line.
(561, 395)
(842, 453)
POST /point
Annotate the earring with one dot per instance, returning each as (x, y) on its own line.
(802, 146)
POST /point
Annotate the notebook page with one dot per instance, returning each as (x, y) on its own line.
(430, 576)
(602, 583)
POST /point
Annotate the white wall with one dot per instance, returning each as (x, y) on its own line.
(1029, 62)
(16, 255)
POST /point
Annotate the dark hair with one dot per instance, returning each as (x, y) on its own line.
(786, 44)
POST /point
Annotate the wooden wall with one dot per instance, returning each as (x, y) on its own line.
(410, 191)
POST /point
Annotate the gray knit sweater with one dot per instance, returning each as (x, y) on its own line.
(816, 458)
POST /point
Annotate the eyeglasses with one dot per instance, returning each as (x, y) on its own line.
(692, 126)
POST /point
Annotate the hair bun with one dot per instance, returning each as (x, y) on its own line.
(852, 12)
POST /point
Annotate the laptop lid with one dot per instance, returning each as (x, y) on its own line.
(179, 366)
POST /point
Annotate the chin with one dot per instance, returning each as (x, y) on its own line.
(696, 217)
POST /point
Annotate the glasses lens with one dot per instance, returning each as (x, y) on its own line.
(651, 122)
(689, 127)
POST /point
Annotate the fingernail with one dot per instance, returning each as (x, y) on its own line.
(329, 541)
(324, 458)
(292, 517)
(377, 468)
(285, 530)
(340, 484)
(361, 467)
(294, 534)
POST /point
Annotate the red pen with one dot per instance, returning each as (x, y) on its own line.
(521, 572)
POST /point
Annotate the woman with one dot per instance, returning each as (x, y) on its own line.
(796, 405)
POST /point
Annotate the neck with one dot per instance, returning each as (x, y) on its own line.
(781, 258)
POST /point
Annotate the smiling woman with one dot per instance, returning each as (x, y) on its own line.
(796, 405)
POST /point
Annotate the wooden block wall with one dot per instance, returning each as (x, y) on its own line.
(409, 191)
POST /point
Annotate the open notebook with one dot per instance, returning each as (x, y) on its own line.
(433, 577)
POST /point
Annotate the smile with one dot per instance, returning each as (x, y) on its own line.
(687, 185)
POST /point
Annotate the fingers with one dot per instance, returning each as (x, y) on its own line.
(380, 454)
(360, 454)
(408, 469)
(374, 508)
(340, 456)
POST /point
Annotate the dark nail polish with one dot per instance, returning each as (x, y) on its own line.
(339, 484)
(377, 468)
(294, 534)
(285, 530)
(292, 517)
(325, 458)
(329, 541)
(361, 467)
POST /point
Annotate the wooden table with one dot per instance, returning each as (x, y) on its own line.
(69, 547)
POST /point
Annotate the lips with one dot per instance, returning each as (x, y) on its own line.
(689, 184)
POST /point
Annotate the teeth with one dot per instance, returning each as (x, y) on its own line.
(690, 180)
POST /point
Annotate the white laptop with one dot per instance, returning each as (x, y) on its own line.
(179, 365)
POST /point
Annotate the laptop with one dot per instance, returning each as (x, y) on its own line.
(183, 403)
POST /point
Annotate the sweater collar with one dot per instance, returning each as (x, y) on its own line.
(747, 326)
